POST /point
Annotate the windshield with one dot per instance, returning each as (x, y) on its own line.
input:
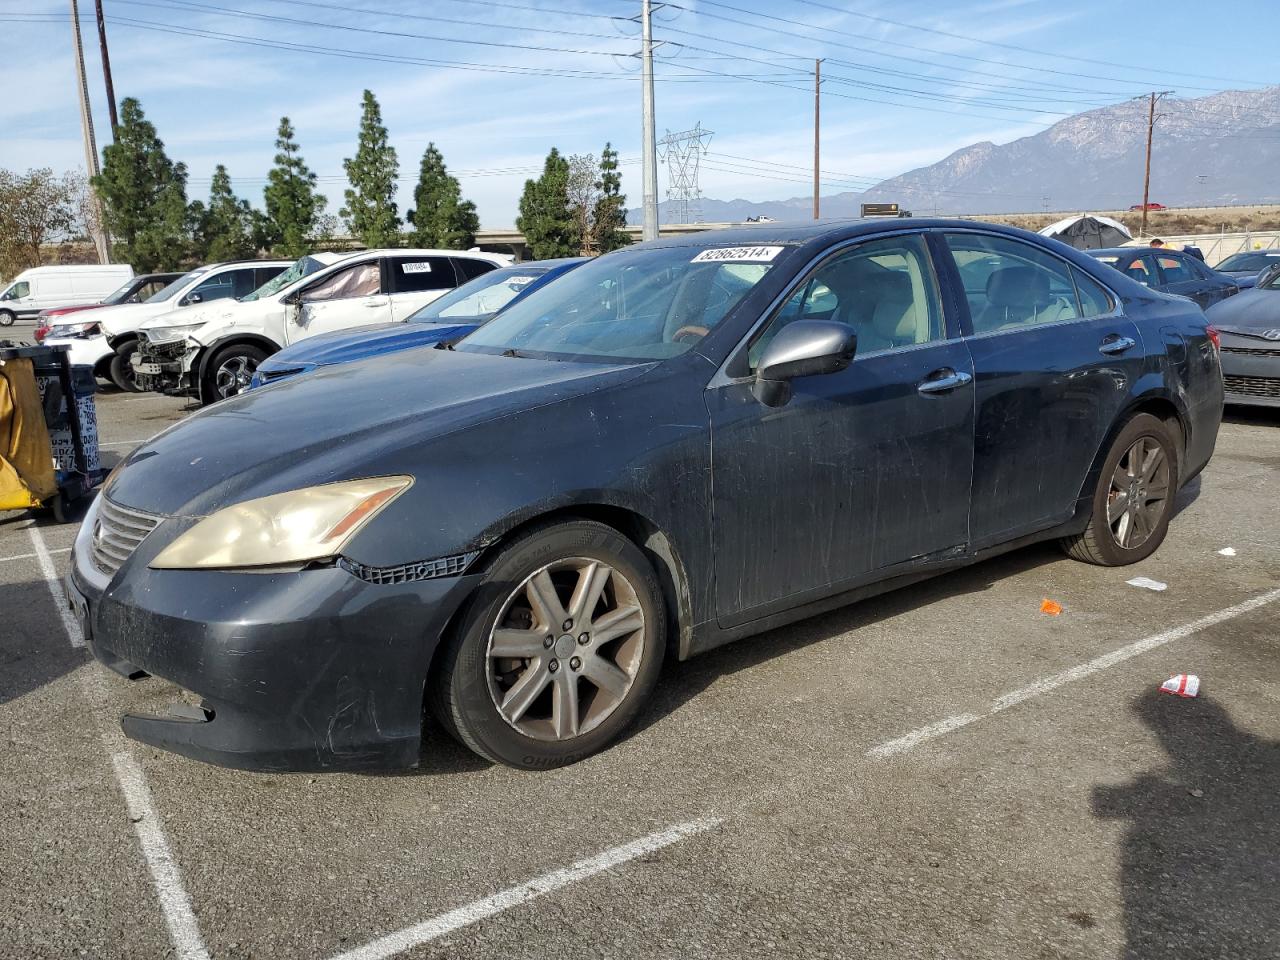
(303, 268)
(479, 299)
(172, 289)
(1248, 261)
(634, 305)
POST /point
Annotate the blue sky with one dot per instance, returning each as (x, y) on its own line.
(474, 80)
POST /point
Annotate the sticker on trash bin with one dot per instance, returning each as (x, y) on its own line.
(1146, 583)
(1183, 685)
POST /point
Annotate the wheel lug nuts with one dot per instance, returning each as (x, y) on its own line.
(553, 666)
(548, 641)
(575, 664)
(584, 639)
(568, 625)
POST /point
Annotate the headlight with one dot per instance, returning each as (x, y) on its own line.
(170, 334)
(67, 331)
(294, 527)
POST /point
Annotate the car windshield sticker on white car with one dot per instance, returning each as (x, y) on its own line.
(416, 267)
(722, 254)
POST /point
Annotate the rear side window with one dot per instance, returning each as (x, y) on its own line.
(1174, 270)
(470, 268)
(1094, 300)
(1011, 284)
(414, 274)
(243, 282)
(265, 275)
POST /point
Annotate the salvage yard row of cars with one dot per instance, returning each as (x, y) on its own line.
(651, 454)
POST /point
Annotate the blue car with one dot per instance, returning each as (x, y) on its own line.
(444, 320)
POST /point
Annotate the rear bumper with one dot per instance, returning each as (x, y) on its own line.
(313, 670)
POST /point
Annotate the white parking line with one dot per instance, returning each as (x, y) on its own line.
(29, 556)
(51, 580)
(175, 904)
(445, 923)
(906, 742)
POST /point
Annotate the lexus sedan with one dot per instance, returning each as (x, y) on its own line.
(1170, 271)
(676, 445)
(1248, 327)
(442, 321)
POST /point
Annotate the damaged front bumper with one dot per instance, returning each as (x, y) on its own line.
(165, 367)
(313, 670)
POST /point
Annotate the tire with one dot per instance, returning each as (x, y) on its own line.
(7, 318)
(229, 371)
(121, 369)
(1117, 536)
(515, 709)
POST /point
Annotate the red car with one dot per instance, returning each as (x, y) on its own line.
(1150, 206)
(139, 288)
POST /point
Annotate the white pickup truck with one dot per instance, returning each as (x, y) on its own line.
(213, 352)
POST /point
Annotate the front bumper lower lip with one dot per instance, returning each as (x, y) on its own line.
(309, 671)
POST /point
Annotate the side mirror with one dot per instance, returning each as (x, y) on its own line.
(1268, 274)
(193, 298)
(804, 348)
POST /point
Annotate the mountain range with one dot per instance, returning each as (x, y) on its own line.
(1219, 149)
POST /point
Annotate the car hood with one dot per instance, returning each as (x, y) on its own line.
(129, 317)
(341, 422)
(362, 342)
(1258, 309)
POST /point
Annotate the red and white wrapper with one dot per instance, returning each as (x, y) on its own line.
(1183, 685)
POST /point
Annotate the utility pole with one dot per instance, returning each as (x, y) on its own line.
(1146, 182)
(90, 147)
(649, 148)
(817, 133)
(106, 69)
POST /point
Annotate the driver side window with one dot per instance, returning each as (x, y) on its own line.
(884, 289)
(360, 280)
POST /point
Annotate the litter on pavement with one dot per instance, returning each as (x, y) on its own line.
(1183, 685)
(1147, 584)
(1051, 607)
(1227, 552)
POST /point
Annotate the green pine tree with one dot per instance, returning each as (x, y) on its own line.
(546, 219)
(611, 211)
(294, 208)
(370, 209)
(227, 226)
(440, 217)
(144, 195)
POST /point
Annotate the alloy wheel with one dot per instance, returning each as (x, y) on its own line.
(565, 649)
(233, 376)
(1139, 488)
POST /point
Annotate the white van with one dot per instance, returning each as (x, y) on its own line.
(213, 351)
(64, 285)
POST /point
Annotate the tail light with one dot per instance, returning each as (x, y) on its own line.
(1215, 336)
(41, 332)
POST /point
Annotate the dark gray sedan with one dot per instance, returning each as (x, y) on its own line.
(673, 446)
(1249, 331)
(1170, 271)
(1246, 266)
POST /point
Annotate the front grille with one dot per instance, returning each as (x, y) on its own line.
(163, 351)
(117, 533)
(1252, 386)
(408, 572)
(1252, 351)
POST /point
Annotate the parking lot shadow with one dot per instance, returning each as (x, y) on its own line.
(1201, 858)
(33, 648)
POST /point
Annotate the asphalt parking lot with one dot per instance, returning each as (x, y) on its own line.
(942, 772)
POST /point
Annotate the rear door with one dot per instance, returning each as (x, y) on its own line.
(1053, 358)
(860, 470)
(1178, 274)
(416, 281)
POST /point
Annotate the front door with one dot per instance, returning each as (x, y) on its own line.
(860, 470)
(1054, 359)
(351, 297)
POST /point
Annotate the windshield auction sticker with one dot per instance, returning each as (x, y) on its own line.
(737, 255)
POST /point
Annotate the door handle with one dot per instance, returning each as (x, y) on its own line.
(943, 381)
(1115, 344)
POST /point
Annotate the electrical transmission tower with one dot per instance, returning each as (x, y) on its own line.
(682, 152)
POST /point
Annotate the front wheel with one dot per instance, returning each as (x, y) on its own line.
(229, 371)
(1133, 502)
(121, 368)
(558, 650)
(7, 318)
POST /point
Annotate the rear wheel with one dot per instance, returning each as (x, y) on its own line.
(229, 371)
(558, 650)
(1133, 502)
(122, 367)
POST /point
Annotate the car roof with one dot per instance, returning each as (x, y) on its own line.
(801, 232)
(1125, 251)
